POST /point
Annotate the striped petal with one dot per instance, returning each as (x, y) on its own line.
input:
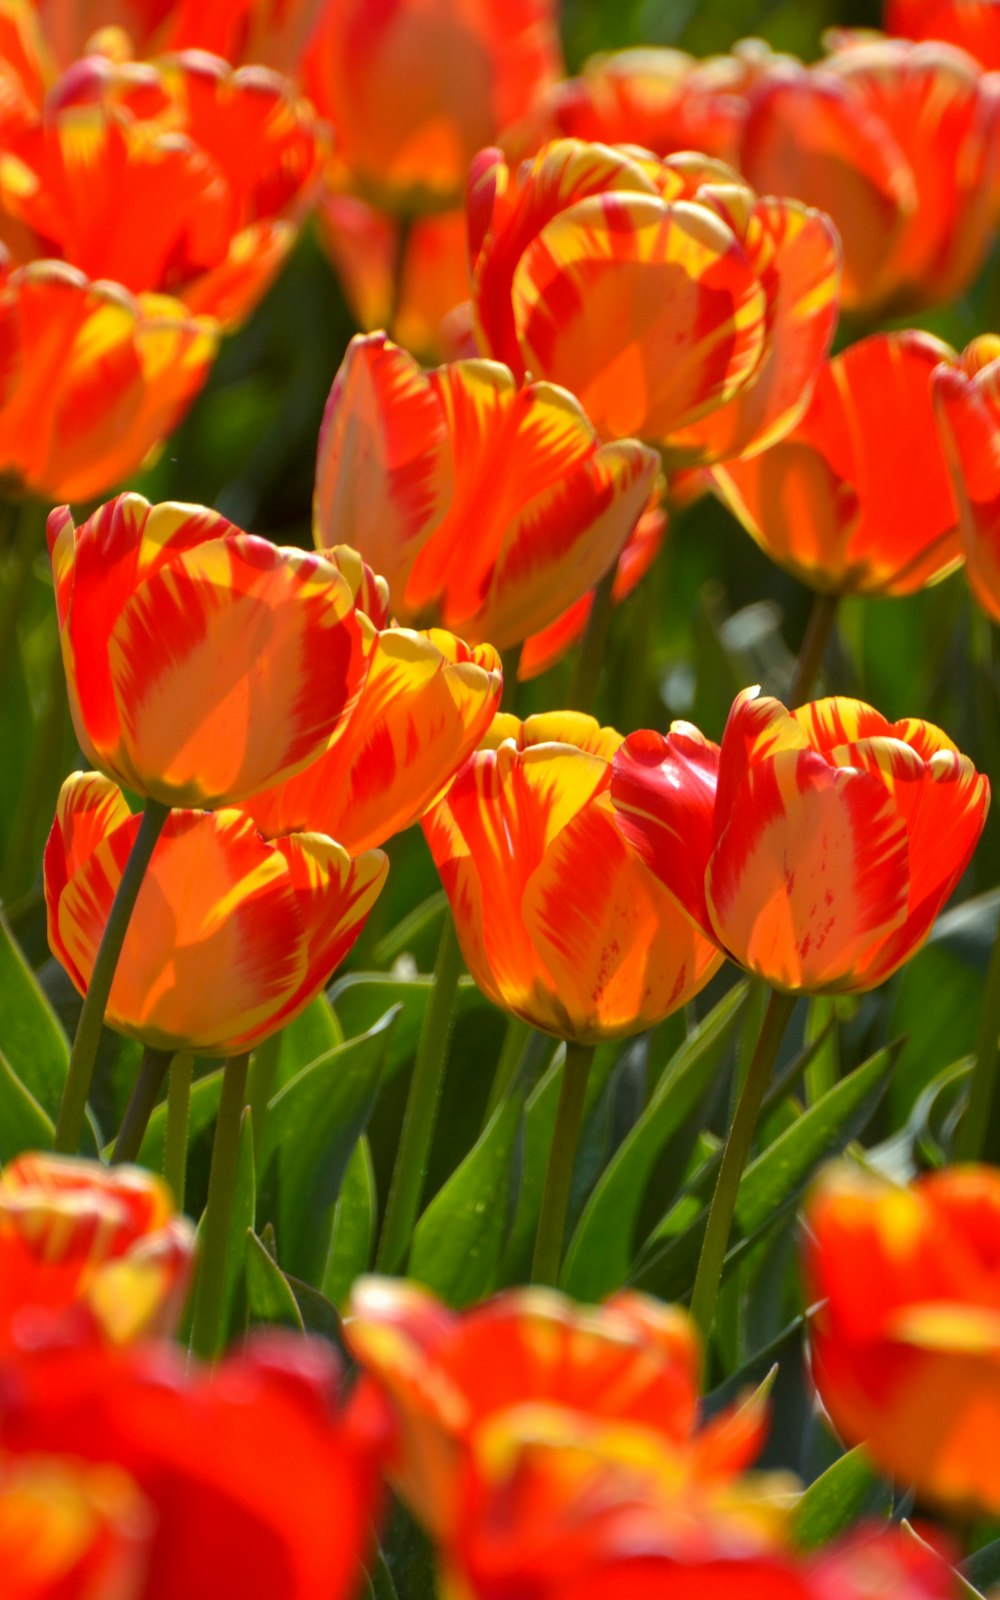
(89, 809)
(69, 1528)
(968, 412)
(972, 25)
(650, 313)
(232, 667)
(757, 726)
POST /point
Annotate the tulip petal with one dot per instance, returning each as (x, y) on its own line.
(757, 726)
(663, 793)
(968, 411)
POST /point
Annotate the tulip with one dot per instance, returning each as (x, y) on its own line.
(857, 499)
(967, 401)
(489, 508)
(231, 936)
(202, 663)
(93, 379)
(414, 88)
(900, 144)
(70, 1532)
(445, 1376)
(264, 33)
(558, 918)
(673, 303)
(972, 25)
(97, 1252)
(906, 1331)
(198, 1443)
(817, 847)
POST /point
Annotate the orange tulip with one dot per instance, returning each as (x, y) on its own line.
(203, 663)
(263, 33)
(558, 919)
(489, 508)
(85, 1250)
(414, 88)
(92, 380)
(967, 400)
(972, 25)
(672, 302)
(900, 143)
(185, 178)
(70, 1531)
(817, 847)
(231, 936)
(629, 1365)
(907, 1332)
(857, 499)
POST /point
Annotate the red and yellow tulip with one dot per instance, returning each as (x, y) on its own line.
(817, 847)
(967, 401)
(972, 25)
(70, 1531)
(231, 935)
(263, 33)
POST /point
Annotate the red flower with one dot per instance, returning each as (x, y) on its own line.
(967, 400)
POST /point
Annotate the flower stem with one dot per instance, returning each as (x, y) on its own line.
(515, 1043)
(559, 1176)
(977, 1132)
(420, 1116)
(148, 1084)
(178, 1118)
(590, 659)
(207, 1332)
(817, 637)
(734, 1158)
(73, 1109)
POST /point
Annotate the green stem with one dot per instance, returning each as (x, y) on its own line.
(73, 1110)
(720, 1216)
(590, 659)
(814, 643)
(420, 1116)
(207, 1331)
(559, 1176)
(178, 1119)
(144, 1096)
(30, 527)
(260, 1085)
(515, 1043)
(977, 1133)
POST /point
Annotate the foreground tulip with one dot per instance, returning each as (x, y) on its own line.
(92, 381)
(967, 400)
(972, 25)
(202, 662)
(906, 1332)
(558, 918)
(817, 847)
(97, 1253)
(488, 508)
(857, 499)
(231, 936)
(900, 144)
(672, 302)
(196, 1443)
(70, 1531)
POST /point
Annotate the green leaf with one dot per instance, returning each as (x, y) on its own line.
(410, 928)
(982, 1569)
(240, 1223)
(848, 1490)
(31, 1036)
(360, 998)
(269, 1294)
(24, 1125)
(313, 1033)
(313, 1124)
(601, 1253)
(318, 1315)
(353, 1233)
(458, 1242)
(205, 1094)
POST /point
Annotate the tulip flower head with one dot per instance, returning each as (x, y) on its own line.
(558, 918)
(263, 33)
(817, 847)
(906, 1329)
(967, 401)
(70, 1531)
(677, 306)
(231, 936)
(971, 25)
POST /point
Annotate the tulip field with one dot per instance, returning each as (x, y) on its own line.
(499, 900)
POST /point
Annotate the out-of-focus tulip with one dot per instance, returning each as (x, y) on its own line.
(231, 935)
(488, 508)
(672, 302)
(186, 178)
(414, 88)
(967, 401)
(203, 663)
(900, 144)
(70, 1531)
(820, 844)
(197, 1444)
(972, 25)
(857, 499)
(558, 918)
(98, 1252)
(629, 1364)
(92, 379)
(907, 1329)
(263, 33)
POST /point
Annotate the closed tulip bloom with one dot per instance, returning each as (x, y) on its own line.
(203, 663)
(818, 846)
(90, 1252)
(414, 88)
(676, 305)
(488, 508)
(231, 936)
(558, 918)
(967, 401)
(906, 1332)
(972, 25)
(857, 499)
(900, 144)
(69, 1531)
